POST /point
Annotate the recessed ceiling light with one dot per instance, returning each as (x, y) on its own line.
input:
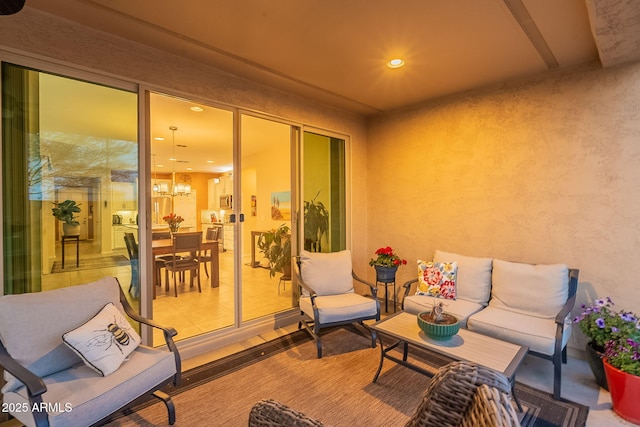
(189, 169)
(158, 138)
(173, 159)
(197, 109)
(209, 161)
(395, 63)
(159, 165)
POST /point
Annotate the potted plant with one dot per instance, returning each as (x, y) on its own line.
(386, 264)
(65, 212)
(276, 246)
(601, 324)
(316, 224)
(622, 369)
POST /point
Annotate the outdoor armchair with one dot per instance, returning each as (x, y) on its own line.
(327, 295)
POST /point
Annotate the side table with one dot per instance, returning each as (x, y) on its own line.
(63, 240)
(386, 283)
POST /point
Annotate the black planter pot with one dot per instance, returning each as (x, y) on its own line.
(594, 359)
(386, 274)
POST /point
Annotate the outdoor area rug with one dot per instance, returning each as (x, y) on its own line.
(89, 263)
(336, 389)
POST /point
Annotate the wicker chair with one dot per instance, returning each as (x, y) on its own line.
(461, 394)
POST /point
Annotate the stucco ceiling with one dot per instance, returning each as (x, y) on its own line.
(336, 51)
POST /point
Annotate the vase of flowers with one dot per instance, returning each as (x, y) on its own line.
(601, 323)
(386, 264)
(173, 221)
(622, 369)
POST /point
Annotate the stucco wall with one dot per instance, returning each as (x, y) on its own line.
(541, 171)
(43, 35)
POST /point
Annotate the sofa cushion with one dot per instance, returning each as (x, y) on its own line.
(537, 290)
(473, 278)
(534, 332)
(339, 308)
(437, 279)
(327, 273)
(460, 308)
(83, 397)
(31, 325)
(104, 341)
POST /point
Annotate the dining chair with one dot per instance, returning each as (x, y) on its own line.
(132, 250)
(185, 243)
(160, 260)
(213, 233)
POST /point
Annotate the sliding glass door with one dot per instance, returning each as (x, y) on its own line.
(67, 140)
(268, 207)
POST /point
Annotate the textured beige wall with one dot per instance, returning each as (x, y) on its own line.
(44, 35)
(541, 171)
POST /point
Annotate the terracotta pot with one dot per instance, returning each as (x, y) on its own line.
(625, 393)
(594, 359)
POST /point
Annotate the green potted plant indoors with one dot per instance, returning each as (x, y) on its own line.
(65, 212)
(276, 247)
(316, 224)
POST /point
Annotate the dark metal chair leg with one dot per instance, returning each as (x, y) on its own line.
(171, 409)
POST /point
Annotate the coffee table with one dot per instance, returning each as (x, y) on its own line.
(502, 356)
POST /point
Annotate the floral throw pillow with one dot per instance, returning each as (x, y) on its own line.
(437, 279)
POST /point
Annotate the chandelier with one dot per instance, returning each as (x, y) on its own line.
(177, 189)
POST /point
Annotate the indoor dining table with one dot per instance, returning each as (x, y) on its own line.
(165, 247)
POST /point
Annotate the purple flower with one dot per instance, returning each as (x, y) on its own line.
(627, 317)
(600, 322)
(614, 329)
(601, 302)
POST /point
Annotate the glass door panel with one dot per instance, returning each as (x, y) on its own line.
(192, 178)
(66, 139)
(324, 193)
(267, 205)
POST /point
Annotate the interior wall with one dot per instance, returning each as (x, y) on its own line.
(539, 171)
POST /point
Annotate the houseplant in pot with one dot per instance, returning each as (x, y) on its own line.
(601, 323)
(316, 224)
(276, 246)
(622, 369)
(386, 264)
(65, 212)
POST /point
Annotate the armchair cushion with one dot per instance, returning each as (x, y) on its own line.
(31, 325)
(327, 273)
(537, 290)
(473, 278)
(105, 341)
(437, 279)
(339, 308)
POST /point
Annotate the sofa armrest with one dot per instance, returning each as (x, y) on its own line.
(571, 299)
(33, 383)
(374, 288)
(407, 288)
(168, 333)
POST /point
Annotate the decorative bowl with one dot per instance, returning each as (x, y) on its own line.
(438, 331)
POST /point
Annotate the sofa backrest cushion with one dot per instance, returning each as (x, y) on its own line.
(327, 273)
(32, 324)
(538, 290)
(473, 278)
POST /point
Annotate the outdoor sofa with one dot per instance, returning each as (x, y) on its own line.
(525, 304)
(72, 358)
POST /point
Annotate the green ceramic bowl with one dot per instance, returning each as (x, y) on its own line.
(438, 331)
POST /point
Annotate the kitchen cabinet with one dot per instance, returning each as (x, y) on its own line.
(226, 185)
(123, 196)
(117, 232)
(213, 201)
(227, 230)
